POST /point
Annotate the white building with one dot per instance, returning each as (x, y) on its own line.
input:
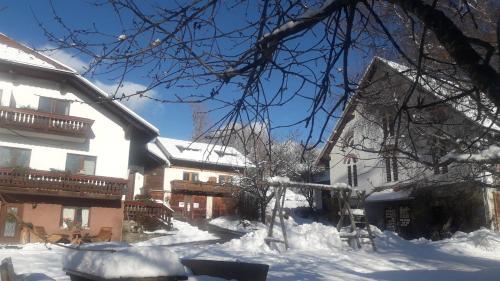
(195, 177)
(65, 148)
(360, 152)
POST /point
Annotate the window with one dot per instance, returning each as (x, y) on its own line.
(80, 164)
(388, 125)
(10, 226)
(72, 217)
(221, 153)
(186, 148)
(190, 176)
(51, 105)
(352, 170)
(14, 157)
(12, 101)
(391, 168)
(225, 179)
(438, 150)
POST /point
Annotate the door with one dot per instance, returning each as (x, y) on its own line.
(10, 230)
(496, 202)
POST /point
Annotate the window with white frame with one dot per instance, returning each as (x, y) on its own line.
(388, 125)
(391, 168)
(52, 105)
(225, 179)
(80, 164)
(75, 217)
(190, 176)
(352, 170)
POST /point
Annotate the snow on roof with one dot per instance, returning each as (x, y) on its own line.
(389, 195)
(153, 148)
(443, 89)
(119, 104)
(203, 153)
(16, 52)
(13, 51)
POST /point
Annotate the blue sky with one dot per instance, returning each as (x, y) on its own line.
(174, 120)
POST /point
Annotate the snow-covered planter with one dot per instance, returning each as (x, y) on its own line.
(108, 262)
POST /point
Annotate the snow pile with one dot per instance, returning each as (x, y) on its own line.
(482, 242)
(306, 237)
(126, 262)
(184, 233)
(314, 236)
(253, 242)
(235, 224)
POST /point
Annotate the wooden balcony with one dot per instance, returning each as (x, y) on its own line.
(201, 188)
(45, 123)
(36, 182)
(151, 209)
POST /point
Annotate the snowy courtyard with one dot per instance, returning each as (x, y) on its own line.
(316, 254)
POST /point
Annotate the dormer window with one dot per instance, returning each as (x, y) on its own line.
(186, 148)
(51, 105)
(221, 153)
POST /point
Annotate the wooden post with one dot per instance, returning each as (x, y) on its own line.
(282, 220)
(276, 207)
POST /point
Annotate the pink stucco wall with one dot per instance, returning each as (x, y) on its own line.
(49, 216)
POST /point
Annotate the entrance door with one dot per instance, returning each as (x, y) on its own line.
(496, 202)
(10, 230)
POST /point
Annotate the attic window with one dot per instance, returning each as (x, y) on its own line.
(223, 153)
(183, 148)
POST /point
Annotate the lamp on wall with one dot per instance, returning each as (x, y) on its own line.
(34, 205)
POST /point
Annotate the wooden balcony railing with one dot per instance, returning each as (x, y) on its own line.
(37, 121)
(21, 180)
(150, 209)
(206, 188)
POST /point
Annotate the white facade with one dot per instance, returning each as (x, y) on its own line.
(359, 135)
(109, 144)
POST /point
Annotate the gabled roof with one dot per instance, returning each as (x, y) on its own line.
(19, 56)
(440, 89)
(204, 153)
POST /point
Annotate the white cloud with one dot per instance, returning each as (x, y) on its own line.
(135, 102)
(64, 57)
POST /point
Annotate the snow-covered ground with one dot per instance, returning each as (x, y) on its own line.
(316, 253)
(234, 224)
(183, 233)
